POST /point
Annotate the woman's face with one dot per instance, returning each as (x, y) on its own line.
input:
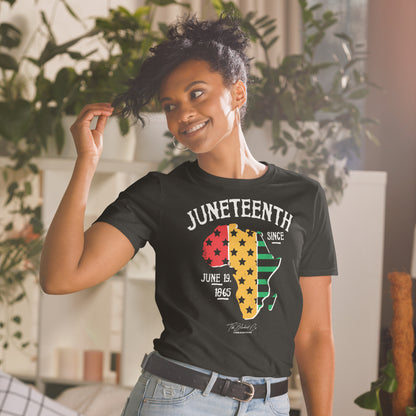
(200, 110)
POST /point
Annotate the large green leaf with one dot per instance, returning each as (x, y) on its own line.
(44, 88)
(8, 62)
(346, 38)
(15, 117)
(11, 189)
(51, 49)
(359, 94)
(45, 119)
(59, 136)
(48, 26)
(124, 126)
(71, 11)
(63, 84)
(167, 3)
(18, 298)
(161, 2)
(10, 36)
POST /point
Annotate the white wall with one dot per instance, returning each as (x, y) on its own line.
(358, 227)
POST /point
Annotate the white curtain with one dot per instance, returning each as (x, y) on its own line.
(286, 13)
(288, 21)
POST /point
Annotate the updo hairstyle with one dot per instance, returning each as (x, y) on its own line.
(221, 43)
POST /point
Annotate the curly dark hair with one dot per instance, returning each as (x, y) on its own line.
(220, 42)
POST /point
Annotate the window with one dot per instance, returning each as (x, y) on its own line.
(352, 20)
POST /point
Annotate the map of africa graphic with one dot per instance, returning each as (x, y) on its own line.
(247, 253)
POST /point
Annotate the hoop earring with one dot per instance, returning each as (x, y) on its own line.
(177, 145)
(238, 118)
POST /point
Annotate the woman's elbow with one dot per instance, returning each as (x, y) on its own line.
(49, 286)
(55, 282)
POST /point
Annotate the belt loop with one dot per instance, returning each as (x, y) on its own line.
(146, 359)
(268, 390)
(210, 384)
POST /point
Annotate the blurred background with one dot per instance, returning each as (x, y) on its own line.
(57, 55)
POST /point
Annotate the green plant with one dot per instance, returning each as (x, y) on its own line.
(31, 110)
(387, 382)
(126, 37)
(27, 119)
(289, 96)
(19, 256)
(291, 92)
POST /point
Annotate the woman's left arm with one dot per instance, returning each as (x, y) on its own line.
(314, 346)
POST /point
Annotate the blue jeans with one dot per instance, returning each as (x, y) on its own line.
(153, 396)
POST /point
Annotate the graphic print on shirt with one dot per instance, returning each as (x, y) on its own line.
(253, 265)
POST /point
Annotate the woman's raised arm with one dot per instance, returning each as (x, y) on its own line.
(72, 260)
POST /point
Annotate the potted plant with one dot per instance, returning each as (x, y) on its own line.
(386, 384)
(318, 127)
(33, 109)
(398, 376)
(126, 37)
(26, 121)
(32, 112)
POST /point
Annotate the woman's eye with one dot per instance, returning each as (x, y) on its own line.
(168, 107)
(196, 93)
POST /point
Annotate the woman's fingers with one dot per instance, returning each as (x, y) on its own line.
(101, 122)
(91, 110)
(89, 141)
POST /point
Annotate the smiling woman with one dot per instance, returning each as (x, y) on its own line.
(231, 299)
(200, 114)
(200, 77)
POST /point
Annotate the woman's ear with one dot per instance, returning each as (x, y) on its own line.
(239, 94)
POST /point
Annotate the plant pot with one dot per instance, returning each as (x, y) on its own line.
(115, 147)
(151, 139)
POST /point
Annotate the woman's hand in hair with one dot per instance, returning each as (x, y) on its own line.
(88, 141)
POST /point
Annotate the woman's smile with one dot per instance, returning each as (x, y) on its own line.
(198, 106)
(194, 128)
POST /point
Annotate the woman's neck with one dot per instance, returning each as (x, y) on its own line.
(232, 159)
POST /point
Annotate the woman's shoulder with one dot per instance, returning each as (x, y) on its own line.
(291, 177)
(152, 180)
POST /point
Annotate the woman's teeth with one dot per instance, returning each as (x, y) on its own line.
(195, 128)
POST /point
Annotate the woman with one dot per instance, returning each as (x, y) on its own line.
(232, 237)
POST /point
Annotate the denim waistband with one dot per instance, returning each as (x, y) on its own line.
(248, 379)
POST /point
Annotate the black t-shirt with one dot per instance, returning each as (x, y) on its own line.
(229, 253)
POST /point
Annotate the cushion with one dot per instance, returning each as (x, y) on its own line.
(95, 399)
(17, 398)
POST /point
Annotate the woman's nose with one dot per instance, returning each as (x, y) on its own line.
(186, 112)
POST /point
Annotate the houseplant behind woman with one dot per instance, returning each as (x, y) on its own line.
(232, 237)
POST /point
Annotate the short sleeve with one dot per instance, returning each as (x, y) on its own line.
(136, 211)
(318, 254)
